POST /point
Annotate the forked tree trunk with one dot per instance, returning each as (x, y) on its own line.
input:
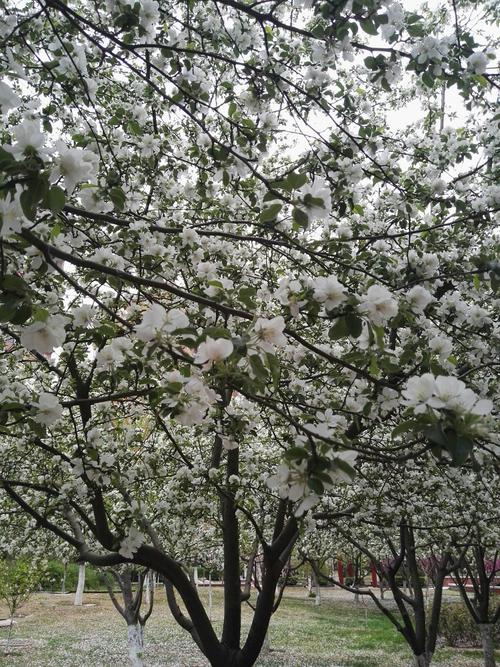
(135, 635)
(487, 630)
(423, 660)
(80, 586)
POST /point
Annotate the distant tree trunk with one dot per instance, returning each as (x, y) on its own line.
(11, 627)
(130, 608)
(63, 582)
(487, 630)
(382, 588)
(81, 585)
(148, 588)
(317, 588)
(135, 635)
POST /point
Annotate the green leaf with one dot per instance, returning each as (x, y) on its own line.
(55, 199)
(371, 63)
(295, 181)
(412, 425)
(368, 26)
(13, 283)
(269, 213)
(6, 159)
(275, 368)
(22, 314)
(316, 485)
(461, 450)
(296, 454)
(436, 435)
(379, 336)
(345, 467)
(354, 325)
(300, 217)
(339, 329)
(8, 311)
(246, 295)
(428, 79)
(40, 314)
(28, 204)
(374, 369)
(118, 197)
(215, 332)
(416, 30)
(258, 368)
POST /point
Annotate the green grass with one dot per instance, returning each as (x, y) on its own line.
(339, 633)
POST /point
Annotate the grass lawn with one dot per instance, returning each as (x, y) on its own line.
(339, 633)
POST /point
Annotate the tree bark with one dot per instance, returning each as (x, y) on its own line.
(423, 660)
(81, 585)
(317, 588)
(486, 630)
(148, 588)
(135, 644)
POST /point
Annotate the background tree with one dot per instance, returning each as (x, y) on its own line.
(18, 581)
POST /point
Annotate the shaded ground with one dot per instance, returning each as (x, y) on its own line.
(339, 633)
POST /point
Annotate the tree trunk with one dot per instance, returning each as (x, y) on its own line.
(486, 630)
(63, 582)
(317, 599)
(81, 585)
(423, 660)
(382, 589)
(148, 588)
(266, 645)
(11, 627)
(135, 644)
(317, 589)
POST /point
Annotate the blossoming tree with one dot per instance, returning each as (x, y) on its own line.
(220, 261)
(409, 519)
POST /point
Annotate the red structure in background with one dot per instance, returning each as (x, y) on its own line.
(340, 571)
(349, 571)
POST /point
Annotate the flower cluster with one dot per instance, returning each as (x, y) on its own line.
(444, 393)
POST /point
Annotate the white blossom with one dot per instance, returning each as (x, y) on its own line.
(74, 165)
(27, 135)
(43, 337)
(8, 98)
(419, 298)
(131, 543)
(269, 333)
(48, 408)
(158, 321)
(11, 215)
(378, 305)
(477, 62)
(329, 291)
(212, 351)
